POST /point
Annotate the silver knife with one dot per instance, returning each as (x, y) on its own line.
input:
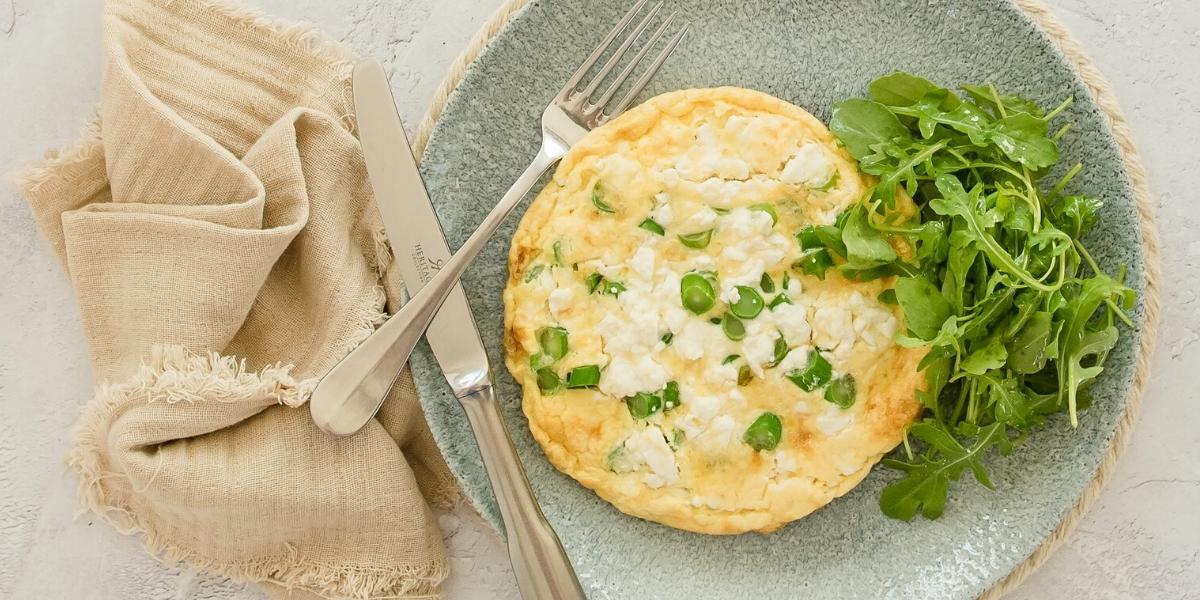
(542, 567)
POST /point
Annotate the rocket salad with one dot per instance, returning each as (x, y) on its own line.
(993, 277)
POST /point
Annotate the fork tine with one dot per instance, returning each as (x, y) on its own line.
(650, 43)
(645, 78)
(620, 51)
(600, 48)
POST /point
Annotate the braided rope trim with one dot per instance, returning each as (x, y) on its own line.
(1147, 226)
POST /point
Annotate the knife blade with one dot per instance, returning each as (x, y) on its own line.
(413, 228)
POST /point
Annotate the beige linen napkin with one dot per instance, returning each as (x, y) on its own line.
(218, 229)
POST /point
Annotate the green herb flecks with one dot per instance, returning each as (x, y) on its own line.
(643, 404)
(553, 341)
(696, 292)
(534, 272)
(745, 375)
(612, 288)
(764, 433)
(583, 376)
(652, 226)
(748, 304)
(780, 298)
(618, 460)
(816, 372)
(548, 381)
(732, 327)
(698, 240)
(678, 437)
(598, 283)
(841, 392)
(766, 283)
(832, 183)
(599, 202)
(670, 396)
(558, 253)
(779, 353)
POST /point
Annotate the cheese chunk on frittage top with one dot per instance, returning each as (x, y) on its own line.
(684, 350)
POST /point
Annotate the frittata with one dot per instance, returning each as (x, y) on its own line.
(681, 350)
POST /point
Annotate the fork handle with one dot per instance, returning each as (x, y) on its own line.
(541, 565)
(352, 392)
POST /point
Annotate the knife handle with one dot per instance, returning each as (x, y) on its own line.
(542, 567)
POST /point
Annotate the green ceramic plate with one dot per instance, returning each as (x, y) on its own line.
(812, 54)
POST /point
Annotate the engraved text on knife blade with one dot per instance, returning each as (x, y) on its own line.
(426, 267)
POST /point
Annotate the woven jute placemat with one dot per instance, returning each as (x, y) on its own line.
(1147, 226)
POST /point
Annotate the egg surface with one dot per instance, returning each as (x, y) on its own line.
(678, 355)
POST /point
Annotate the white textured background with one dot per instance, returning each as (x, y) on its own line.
(1142, 539)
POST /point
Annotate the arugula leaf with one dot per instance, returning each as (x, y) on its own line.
(925, 309)
(861, 124)
(1001, 104)
(925, 485)
(598, 200)
(985, 358)
(817, 246)
(865, 247)
(1076, 343)
(986, 312)
(933, 245)
(964, 118)
(1027, 351)
(1022, 137)
(830, 237)
(899, 165)
(1011, 404)
(960, 261)
(900, 89)
(813, 262)
(1075, 214)
(937, 108)
(1026, 303)
(936, 365)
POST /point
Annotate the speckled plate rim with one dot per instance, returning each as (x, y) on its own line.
(1100, 89)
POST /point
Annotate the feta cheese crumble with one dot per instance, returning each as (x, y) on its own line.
(648, 448)
(559, 300)
(837, 324)
(811, 166)
(627, 375)
(662, 213)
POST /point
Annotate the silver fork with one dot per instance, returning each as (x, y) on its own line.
(360, 382)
